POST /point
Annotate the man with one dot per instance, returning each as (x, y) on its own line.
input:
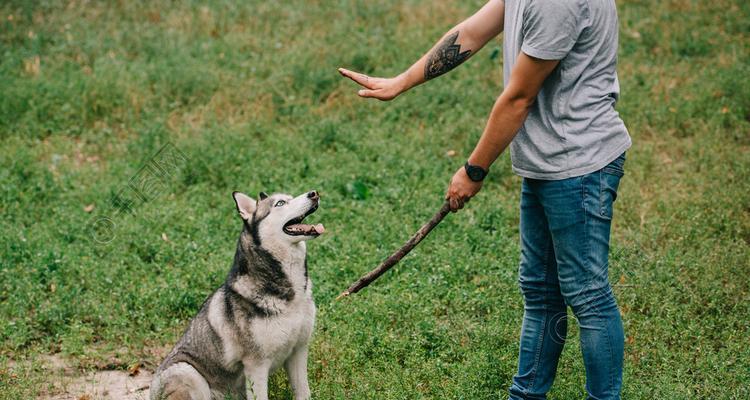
(568, 143)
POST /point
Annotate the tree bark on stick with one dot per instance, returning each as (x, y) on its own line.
(368, 278)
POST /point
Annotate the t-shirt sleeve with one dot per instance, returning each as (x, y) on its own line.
(551, 27)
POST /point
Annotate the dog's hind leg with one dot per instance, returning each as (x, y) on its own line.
(180, 382)
(296, 371)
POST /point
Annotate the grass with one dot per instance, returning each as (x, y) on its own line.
(248, 92)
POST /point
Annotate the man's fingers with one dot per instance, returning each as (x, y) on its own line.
(456, 201)
(366, 93)
(361, 79)
(345, 72)
(454, 204)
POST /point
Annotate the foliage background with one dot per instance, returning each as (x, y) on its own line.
(90, 90)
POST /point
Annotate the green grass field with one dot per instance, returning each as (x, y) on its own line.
(248, 92)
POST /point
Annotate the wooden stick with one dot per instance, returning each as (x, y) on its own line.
(399, 254)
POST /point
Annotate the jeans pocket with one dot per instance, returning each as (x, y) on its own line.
(609, 181)
(616, 167)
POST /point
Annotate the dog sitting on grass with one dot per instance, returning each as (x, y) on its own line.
(261, 318)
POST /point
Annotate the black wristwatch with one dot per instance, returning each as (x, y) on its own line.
(475, 172)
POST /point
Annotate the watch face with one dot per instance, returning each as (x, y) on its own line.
(474, 174)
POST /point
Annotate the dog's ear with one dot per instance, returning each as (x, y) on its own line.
(245, 205)
(263, 195)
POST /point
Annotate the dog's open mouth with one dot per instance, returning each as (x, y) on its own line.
(295, 227)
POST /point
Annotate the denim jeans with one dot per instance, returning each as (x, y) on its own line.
(565, 227)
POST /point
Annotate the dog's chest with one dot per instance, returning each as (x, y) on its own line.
(278, 335)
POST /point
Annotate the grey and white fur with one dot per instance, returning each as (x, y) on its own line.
(261, 318)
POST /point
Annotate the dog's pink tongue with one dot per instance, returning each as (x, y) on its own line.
(319, 228)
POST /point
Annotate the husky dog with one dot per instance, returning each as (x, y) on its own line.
(261, 317)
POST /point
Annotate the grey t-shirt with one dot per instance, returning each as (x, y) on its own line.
(572, 129)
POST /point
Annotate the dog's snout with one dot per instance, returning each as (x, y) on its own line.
(313, 195)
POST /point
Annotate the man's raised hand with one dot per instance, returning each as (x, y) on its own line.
(378, 88)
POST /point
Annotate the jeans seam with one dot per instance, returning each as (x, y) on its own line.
(611, 357)
(542, 331)
(538, 352)
(591, 280)
(585, 216)
(587, 237)
(609, 346)
(601, 195)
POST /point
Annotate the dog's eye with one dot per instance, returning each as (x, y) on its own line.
(279, 203)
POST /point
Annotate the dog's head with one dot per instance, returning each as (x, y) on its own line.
(278, 217)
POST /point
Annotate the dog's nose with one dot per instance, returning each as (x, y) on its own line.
(313, 195)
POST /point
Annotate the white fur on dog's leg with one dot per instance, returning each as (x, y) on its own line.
(258, 376)
(296, 370)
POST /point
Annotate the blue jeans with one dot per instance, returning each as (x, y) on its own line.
(565, 227)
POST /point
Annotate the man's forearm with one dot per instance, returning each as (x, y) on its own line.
(511, 108)
(450, 52)
(505, 120)
(457, 45)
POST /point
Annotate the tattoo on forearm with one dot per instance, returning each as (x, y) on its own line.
(445, 57)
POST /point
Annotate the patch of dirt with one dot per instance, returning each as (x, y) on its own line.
(100, 385)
